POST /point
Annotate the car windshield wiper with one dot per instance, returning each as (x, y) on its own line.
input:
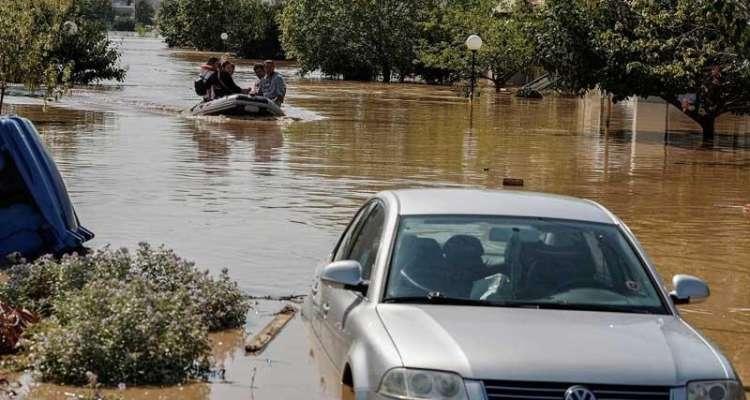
(440, 299)
(596, 307)
(437, 298)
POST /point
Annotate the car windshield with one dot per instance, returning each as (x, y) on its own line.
(518, 262)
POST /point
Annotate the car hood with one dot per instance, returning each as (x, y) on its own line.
(552, 345)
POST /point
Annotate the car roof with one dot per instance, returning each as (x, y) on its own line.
(497, 202)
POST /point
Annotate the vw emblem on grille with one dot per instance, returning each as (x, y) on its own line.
(579, 393)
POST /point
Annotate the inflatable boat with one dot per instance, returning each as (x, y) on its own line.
(36, 215)
(238, 105)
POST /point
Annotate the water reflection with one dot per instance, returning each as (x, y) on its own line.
(268, 198)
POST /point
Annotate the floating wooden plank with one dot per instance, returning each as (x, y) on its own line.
(512, 182)
(258, 343)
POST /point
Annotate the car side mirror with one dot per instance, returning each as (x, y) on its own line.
(344, 275)
(688, 289)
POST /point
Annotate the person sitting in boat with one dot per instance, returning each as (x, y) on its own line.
(272, 85)
(260, 72)
(225, 85)
(207, 79)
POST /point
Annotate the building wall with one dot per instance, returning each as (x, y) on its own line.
(124, 7)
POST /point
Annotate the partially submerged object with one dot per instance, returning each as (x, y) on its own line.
(13, 322)
(259, 342)
(36, 215)
(239, 105)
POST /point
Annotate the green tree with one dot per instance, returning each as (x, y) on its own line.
(172, 23)
(52, 43)
(254, 32)
(28, 32)
(89, 52)
(360, 39)
(507, 47)
(144, 13)
(250, 24)
(691, 53)
(96, 10)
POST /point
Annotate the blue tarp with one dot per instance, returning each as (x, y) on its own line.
(36, 215)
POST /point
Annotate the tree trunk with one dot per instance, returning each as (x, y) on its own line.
(707, 122)
(498, 86)
(709, 128)
(387, 74)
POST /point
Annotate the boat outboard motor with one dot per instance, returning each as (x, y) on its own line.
(37, 216)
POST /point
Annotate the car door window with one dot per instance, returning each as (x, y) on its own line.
(345, 242)
(367, 241)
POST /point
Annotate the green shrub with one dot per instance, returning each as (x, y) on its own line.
(137, 318)
(220, 301)
(35, 286)
(124, 332)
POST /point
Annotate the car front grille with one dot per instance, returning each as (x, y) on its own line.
(507, 390)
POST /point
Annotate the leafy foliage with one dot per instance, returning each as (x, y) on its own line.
(28, 32)
(507, 48)
(360, 40)
(129, 332)
(371, 39)
(144, 13)
(250, 24)
(92, 55)
(53, 43)
(137, 318)
(692, 53)
(38, 285)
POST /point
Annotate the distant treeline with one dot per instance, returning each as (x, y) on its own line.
(103, 11)
(360, 40)
(251, 26)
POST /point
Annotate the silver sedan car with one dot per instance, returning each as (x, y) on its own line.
(498, 295)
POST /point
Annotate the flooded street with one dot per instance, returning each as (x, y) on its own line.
(268, 199)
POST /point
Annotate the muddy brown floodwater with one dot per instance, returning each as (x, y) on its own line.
(268, 198)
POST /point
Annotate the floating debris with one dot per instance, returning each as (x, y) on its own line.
(259, 342)
(295, 298)
(13, 322)
(512, 182)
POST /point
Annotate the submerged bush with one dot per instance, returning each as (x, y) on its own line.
(37, 285)
(138, 318)
(123, 332)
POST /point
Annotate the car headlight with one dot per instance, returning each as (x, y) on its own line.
(408, 384)
(715, 390)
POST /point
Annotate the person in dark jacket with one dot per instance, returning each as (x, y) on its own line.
(224, 85)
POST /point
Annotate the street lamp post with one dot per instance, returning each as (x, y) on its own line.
(473, 43)
(224, 38)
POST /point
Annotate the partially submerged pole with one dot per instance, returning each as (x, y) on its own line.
(2, 96)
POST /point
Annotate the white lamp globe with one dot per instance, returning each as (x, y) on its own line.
(474, 42)
(70, 28)
(224, 36)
